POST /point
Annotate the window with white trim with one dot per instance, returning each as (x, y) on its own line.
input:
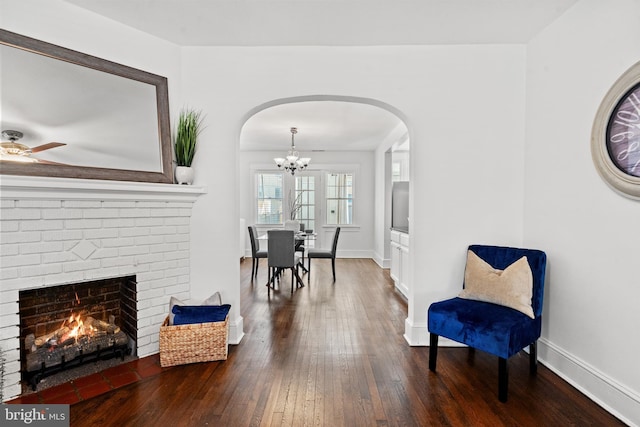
(339, 198)
(269, 197)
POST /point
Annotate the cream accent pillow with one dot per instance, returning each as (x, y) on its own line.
(511, 287)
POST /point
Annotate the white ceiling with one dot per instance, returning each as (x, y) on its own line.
(333, 22)
(329, 125)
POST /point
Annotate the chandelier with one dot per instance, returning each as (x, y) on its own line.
(292, 162)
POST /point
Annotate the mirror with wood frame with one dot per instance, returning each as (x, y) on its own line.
(68, 114)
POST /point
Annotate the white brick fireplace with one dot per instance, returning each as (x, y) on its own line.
(60, 231)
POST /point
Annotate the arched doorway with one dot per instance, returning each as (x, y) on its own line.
(338, 133)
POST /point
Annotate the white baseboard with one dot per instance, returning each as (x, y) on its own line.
(416, 333)
(614, 397)
(349, 253)
(382, 262)
(236, 330)
(402, 288)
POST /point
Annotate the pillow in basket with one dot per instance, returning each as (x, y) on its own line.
(214, 299)
(187, 314)
(173, 301)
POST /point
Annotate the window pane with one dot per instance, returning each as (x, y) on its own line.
(269, 198)
(270, 212)
(304, 187)
(340, 198)
(332, 211)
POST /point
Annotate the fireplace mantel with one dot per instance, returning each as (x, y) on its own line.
(30, 187)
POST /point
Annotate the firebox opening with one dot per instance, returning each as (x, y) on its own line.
(68, 325)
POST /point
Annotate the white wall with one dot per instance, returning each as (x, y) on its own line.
(590, 233)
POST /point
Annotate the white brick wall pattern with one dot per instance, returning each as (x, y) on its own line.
(58, 231)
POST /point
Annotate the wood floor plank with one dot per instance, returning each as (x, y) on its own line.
(333, 354)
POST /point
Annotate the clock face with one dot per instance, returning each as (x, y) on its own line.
(623, 133)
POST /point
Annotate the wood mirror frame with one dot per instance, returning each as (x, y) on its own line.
(11, 39)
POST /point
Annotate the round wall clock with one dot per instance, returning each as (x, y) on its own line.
(615, 139)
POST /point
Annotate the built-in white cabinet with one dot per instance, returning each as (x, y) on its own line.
(395, 262)
(400, 261)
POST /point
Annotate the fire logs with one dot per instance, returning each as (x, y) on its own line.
(109, 328)
(77, 339)
(54, 356)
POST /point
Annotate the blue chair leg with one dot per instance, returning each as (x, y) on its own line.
(533, 357)
(503, 379)
(433, 351)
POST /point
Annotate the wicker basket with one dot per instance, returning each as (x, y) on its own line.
(198, 342)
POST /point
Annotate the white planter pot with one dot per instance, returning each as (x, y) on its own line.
(184, 175)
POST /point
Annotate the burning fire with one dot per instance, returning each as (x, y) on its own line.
(74, 327)
(77, 327)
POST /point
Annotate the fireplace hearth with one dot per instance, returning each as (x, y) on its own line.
(65, 326)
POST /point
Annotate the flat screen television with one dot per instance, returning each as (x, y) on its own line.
(400, 206)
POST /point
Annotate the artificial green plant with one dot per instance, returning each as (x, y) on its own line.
(187, 131)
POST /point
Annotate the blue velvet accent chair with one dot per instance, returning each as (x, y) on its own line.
(495, 329)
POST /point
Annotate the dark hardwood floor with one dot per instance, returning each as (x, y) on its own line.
(334, 355)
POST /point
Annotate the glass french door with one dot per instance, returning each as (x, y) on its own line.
(305, 189)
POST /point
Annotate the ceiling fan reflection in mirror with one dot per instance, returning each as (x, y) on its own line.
(11, 150)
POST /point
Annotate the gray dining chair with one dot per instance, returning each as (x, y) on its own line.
(325, 253)
(292, 224)
(256, 252)
(281, 255)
